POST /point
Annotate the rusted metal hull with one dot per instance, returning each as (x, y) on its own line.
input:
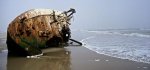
(38, 28)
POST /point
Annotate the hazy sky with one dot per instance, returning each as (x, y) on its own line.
(91, 14)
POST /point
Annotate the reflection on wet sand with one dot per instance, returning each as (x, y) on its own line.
(53, 59)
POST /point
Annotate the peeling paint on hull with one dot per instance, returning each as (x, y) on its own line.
(38, 28)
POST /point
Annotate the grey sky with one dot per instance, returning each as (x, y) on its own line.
(91, 14)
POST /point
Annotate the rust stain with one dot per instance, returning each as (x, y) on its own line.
(40, 28)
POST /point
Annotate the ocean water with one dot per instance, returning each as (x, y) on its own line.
(131, 44)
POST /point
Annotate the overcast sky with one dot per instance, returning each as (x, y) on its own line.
(91, 14)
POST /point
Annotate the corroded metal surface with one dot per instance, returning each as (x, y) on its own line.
(38, 28)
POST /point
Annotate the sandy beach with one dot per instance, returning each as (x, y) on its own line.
(67, 58)
(75, 35)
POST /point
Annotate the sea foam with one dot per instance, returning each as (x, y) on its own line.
(118, 33)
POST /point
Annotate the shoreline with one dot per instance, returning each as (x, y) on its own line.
(95, 61)
(118, 57)
(69, 58)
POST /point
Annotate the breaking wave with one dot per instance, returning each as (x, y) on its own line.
(118, 33)
(134, 55)
(131, 46)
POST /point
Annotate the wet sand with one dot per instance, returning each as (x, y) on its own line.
(67, 58)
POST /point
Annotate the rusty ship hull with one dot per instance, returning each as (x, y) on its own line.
(38, 28)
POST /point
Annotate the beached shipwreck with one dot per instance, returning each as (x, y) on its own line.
(39, 28)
